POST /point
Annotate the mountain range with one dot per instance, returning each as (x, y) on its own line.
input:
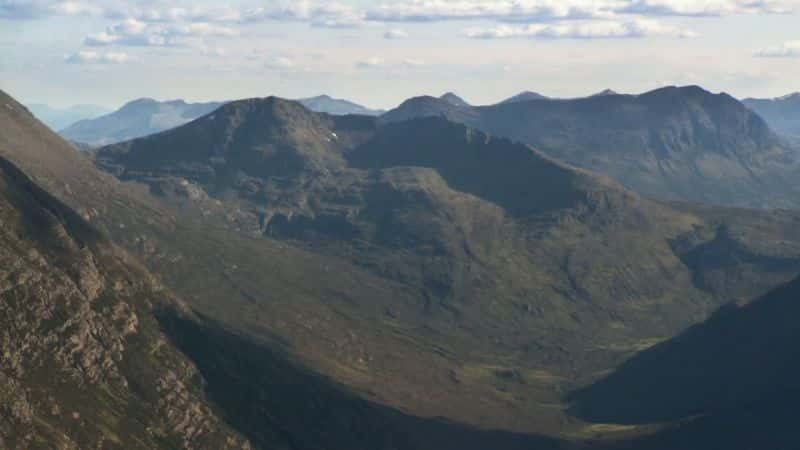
(783, 113)
(507, 252)
(146, 116)
(59, 118)
(462, 282)
(672, 143)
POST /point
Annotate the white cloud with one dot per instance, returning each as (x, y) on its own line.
(413, 62)
(91, 57)
(561, 10)
(707, 8)
(395, 33)
(317, 13)
(370, 63)
(786, 50)
(338, 14)
(505, 10)
(582, 30)
(34, 9)
(280, 63)
(202, 29)
(133, 32)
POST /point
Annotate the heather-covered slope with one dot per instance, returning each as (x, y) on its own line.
(671, 143)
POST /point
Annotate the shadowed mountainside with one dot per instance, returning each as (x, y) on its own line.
(736, 374)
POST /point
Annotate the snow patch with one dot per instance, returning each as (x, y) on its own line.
(335, 136)
(9, 107)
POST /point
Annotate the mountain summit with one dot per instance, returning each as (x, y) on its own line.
(605, 92)
(453, 99)
(524, 97)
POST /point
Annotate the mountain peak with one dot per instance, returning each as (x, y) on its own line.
(453, 99)
(336, 106)
(140, 102)
(606, 92)
(524, 96)
(792, 96)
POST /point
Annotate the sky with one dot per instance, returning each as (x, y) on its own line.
(380, 52)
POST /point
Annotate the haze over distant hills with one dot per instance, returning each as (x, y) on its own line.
(338, 107)
(672, 143)
(146, 116)
(59, 118)
(135, 119)
(782, 113)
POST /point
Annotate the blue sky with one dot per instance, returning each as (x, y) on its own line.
(380, 52)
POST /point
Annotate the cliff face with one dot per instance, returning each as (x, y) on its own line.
(84, 363)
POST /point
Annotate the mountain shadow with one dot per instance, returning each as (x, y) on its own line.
(731, 382)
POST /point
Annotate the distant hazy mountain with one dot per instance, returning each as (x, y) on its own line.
(136, 119)
(337, 107)
(783, 113)
(524, 97)
(672, 143)
(59, 118)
